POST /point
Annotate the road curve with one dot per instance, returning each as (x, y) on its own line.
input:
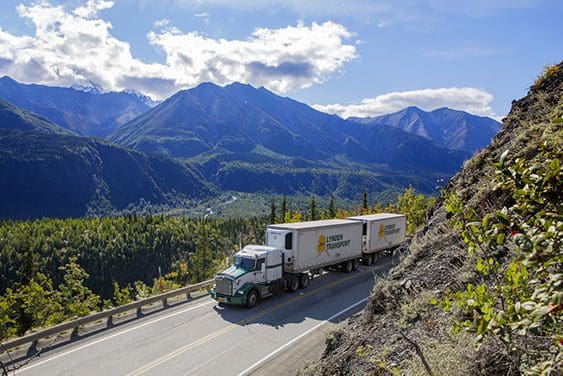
(201, 338)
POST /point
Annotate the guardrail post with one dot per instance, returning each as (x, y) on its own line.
(32, 350)
(188, 296)
(165, 302)
(74, 333)
(139, 311)
(109, 322)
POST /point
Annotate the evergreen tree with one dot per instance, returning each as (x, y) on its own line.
(313, 214)
(283, 209)
(273, 212)
(331, 209)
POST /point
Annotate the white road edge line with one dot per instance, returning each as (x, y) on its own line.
(113, 336)
(280, 349)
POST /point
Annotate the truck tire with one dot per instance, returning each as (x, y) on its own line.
(277, 289)
(251, 298)
(304, 280)
(347, 266)
(355, 264)
(292, 284)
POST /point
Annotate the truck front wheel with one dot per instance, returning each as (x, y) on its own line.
(292, 284)
(251, 299)
(304, 280)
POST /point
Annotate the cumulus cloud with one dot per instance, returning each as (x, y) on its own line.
(77, 47)
(280, 59)
(468, 99)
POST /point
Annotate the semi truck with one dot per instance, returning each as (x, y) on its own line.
(295, 252)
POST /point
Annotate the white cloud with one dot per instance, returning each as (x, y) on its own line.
(468, 99)
(280, 59)
(77, 47)
(161, 23)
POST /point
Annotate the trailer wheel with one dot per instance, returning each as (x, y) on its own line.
(292, 284)
(251, 299)
(347, 266)
(355, 264)
(304, 280)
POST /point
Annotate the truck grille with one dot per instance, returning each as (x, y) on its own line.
(223, 286)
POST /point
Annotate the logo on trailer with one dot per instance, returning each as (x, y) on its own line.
(331, 242)
(381, 232)
(321, 246)
(385, 230)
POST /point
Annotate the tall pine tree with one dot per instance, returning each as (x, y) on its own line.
(273, 212)
(331, 209)
(283, 209)
(313, 215)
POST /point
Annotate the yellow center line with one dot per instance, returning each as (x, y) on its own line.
(231, 327)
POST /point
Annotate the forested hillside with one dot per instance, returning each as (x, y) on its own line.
(479, 288)
(66, 176)
(15, 118)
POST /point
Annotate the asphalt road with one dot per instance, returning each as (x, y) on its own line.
(201, 338)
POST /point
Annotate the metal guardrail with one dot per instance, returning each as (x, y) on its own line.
(107, 314)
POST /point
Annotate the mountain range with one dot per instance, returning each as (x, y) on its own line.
(452, 129)
(87, 113)
(236, 138)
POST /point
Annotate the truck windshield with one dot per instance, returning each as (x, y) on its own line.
(244, 262)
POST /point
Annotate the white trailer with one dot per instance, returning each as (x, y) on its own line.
(316, 244)
(380, 233)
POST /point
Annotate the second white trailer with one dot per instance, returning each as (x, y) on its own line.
(380, 232)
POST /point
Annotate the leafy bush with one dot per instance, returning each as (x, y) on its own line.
(519, 256)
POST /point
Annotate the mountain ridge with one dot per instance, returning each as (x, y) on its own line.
(233, 128)
(453, 129)
(15, 118)
(91, 113)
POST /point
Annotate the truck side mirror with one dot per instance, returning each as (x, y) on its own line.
(263, 267)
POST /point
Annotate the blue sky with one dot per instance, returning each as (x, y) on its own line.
(353, 58)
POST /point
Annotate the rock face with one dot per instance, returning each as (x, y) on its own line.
(399, 317)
